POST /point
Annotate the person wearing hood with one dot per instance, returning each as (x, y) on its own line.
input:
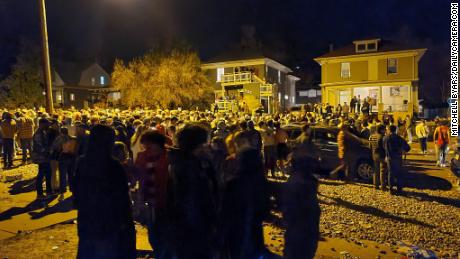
(101, 197)
(192, 196)
(245, 203)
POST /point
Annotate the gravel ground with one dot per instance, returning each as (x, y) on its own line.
(429, 219)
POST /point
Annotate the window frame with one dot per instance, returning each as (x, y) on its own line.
(395, 66)
(220, 72)
(342, 75)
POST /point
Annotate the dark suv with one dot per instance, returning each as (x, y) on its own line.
(325, 138)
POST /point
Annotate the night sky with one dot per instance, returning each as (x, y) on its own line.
(292, 31)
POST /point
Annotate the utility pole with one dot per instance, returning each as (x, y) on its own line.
(46, 59)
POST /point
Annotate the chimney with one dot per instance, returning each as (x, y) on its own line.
(331, 47)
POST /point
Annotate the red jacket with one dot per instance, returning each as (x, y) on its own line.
(153, 175)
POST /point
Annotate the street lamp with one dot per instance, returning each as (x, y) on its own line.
(46, 58)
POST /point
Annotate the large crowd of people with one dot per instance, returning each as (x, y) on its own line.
(197, 179)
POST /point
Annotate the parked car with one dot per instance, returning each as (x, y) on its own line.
(325, 138)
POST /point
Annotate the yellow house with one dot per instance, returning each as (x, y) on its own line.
(383, 71)
(251, 80)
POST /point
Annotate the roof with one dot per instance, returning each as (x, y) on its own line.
(236, 54)
(383, 46)
(239, 55)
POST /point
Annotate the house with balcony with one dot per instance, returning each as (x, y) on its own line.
(248, 81)
(83, 87)
(385, 72)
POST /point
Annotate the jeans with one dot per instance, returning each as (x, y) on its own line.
(395, 173)
(8, 152)
(44, 171)
(26, 144)
(409, 135)
(423, 146)
(442, 154)
(380, 173)
(66, 167)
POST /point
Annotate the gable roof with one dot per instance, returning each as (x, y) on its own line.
(383, 46)
(240, 55)
(236, 54)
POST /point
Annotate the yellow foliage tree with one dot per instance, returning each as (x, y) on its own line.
(162, 80)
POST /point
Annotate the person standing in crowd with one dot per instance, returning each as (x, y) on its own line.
(152, 166)
(66, 148)
(345, 109)
(441, 139)
(366, 108)
(328, 109)
(338, 109)
(282, 149)
(9, 130)
(254, 136)
(192, 194)
(365, 131)
(268, 139)
(41, 153)
(53, 133)
(301, 215)
(353, 104)
(105, 223)
(346, 141)
(245, 203)
(25, 133)
(395, 146)
(421, 130)
(378, 156)
(358, 104)
(221, 130)
(409, 126)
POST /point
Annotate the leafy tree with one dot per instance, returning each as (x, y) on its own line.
(24, 87)
(162, 79)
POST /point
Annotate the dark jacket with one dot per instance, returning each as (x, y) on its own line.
(245, 206)
(301, 214)
(41, 147)
(191, 200)
(395, 146)
(102, 199)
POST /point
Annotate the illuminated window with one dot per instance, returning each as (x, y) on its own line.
(392, 66)
(59, 96)
(72, 97)
(345, 70)
(220, 73)
(102, 80)
(279, 76)
(93, 81)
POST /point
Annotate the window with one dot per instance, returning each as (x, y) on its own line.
(93, 81)
(371, 46)
(279, 76)
(220, 73)
(392, 66)
(72, 97)
(361, 47)
(345, 70)
(59, 96)
(102, 80)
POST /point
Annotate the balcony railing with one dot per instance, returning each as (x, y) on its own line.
(236, 78)
(226, 105)
(266, 90)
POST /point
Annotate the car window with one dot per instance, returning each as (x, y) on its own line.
(294, 133)
(326, 137)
